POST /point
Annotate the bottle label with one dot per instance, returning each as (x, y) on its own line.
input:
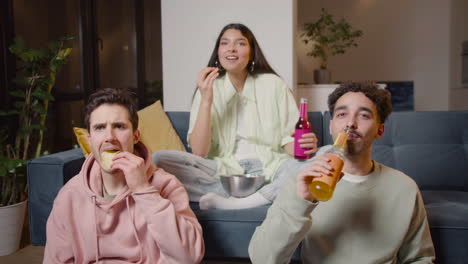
(298, 151)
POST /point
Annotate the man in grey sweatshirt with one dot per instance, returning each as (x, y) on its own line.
(376, 214)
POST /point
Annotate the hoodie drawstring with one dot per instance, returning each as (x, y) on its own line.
(96, 229)
(132, 220)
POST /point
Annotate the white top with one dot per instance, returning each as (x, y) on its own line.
(244, 148)
(355, 178)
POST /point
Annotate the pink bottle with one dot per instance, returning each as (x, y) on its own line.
(302, 127)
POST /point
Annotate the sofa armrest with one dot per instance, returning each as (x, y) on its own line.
(46, 175)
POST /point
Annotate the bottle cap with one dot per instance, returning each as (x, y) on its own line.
(341, 139)
(303, 100)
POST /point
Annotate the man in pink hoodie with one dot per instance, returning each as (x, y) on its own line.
(128, 211)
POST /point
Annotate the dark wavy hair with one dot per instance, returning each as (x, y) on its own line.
(125, 97)
(261, 64)
(380, 97)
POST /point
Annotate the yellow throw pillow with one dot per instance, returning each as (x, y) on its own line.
(157, 132)
(82, 138)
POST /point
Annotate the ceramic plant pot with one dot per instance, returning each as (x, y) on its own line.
(322, 76)
(11, 225)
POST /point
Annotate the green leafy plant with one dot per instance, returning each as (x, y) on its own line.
(32, 93)
(328, 37)
(12, 184)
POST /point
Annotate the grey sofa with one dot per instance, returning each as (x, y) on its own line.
(431, 147)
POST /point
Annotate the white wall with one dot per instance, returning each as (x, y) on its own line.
(190, 29)
(459, 33)
(403, 40)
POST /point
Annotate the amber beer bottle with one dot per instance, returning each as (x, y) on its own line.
(302, 127)
(323, 187)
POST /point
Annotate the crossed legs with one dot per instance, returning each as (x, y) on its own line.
(197, 175)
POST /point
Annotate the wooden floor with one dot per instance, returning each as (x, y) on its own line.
(29, 254)
(34, 255)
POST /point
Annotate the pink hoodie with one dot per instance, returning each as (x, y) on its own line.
(154, 226)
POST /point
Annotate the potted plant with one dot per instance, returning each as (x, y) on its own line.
(32, 94)
(328, 38)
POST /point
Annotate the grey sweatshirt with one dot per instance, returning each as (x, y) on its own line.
(380, 220)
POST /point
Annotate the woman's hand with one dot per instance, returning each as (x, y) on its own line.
(205, 83)
(309, 142)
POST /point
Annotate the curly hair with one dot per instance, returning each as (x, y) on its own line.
(125, 97)
(380, 97)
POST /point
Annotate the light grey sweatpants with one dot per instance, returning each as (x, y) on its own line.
(197, 173)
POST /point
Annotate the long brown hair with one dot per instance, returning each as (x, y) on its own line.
(261, 64)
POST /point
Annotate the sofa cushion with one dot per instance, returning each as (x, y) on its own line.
(82, 138)
(228, 232)
(316, 122)
(180, 121)
(447, 213)
(157, 132)
(447, 209)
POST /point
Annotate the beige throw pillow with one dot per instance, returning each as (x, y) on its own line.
(157, 132)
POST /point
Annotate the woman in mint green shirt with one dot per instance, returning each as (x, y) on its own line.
(241, 121)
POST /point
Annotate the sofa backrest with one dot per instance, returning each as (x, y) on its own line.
(431, 147)
(180, 122)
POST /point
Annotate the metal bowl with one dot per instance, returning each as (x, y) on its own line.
(242, 185)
